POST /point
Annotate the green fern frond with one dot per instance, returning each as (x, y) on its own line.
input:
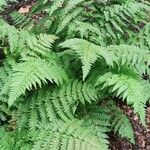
(17, 140)
(129, 88)
(99, 119)
(67, 19)
(56, 5)
(71, 135)
(24, 42)
(129, 55)
(86, 31)
(21, 20)
(4, 110)
(88, 53)
(47, 105)
(4, 3)
(72, 5)
(114, 21)
(119, 54)
(108, 117)
(31, 73)
(143, 37)
(66, 99)
(120, 124)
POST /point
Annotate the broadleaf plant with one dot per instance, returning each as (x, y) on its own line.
(64, 67)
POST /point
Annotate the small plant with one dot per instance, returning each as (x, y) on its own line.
(62, 74)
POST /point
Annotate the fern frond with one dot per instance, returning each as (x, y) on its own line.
(116, 17)
(55, 5)
(67, 19)
(119, 54)
(4, 3)
(61, 103)
(21, 20)
(120, 124)
(33, 72)
(143, 37)
(99, 119)
(24, 42)
(18, 140)
(65, 100)
(88, 53)
(71, 4)
(86, 31)
(129, 87)
(108, 117)
(71, 135)
(128, 55)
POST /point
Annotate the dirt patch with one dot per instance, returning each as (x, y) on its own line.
(142, 134)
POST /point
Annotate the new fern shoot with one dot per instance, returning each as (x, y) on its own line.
(62, 74)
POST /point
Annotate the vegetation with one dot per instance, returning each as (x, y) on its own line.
(63, 74)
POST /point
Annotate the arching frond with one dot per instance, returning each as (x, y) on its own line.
(121, 125)
(143, 37)
(24, 42)
(68, 18)
(47, 105)
(88, 53)
(4, 3)
(21, 20)
(31, 73)
(128, 87)
(71, 135)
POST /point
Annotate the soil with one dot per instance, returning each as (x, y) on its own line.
(142, 134)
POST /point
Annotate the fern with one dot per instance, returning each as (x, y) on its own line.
(68, 19)
(115, 18)
(68, 136)
(58, 104)
(26, 43)
(120, 123)
(105, 119)
(32, 73)
(71, 5)
(89, 53)
(4, 3)
(56, 5)
(143, 38)
(65, 66)
(9, 140)
(130, 88)
(21, 20)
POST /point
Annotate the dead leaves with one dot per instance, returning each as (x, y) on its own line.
(24, 10)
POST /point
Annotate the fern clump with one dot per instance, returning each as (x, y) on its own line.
(62, 74)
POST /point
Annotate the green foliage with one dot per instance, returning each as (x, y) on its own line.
(88, 53)
(24, 42)
(143, 37)
(61, 103)
(71, 135)
(120, 123)
(63, 68)
(32, 73)
(128, 86)
(4, 3)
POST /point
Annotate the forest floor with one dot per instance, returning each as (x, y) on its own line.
(142, 134)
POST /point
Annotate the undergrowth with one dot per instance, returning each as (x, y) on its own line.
(63, 68)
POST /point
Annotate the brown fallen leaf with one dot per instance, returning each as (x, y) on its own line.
(24, 10)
